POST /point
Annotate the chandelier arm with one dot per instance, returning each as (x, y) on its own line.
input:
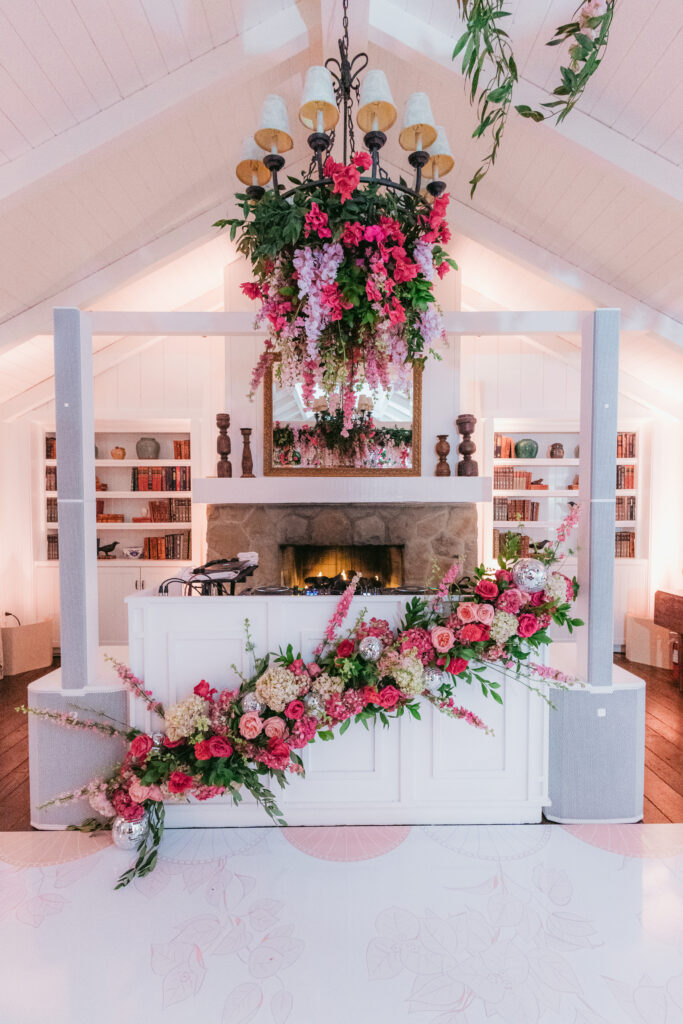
(385, 182)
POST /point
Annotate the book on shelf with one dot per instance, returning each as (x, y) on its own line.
(503, 447)
(171, 510)
(169, 547)
(52, 547)
(626, 444)
(50, 478)
(624, 544)
(181, 449)
(626, 506)
(161, 478)
(511, 509)
(50, 447)
(51, 510)
(626, 477)
(499, 538)
(110, 517)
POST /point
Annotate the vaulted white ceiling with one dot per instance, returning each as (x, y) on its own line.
(121, 122)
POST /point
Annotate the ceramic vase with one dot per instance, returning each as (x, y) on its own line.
(147, 448)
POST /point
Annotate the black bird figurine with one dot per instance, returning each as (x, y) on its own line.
(106, 550)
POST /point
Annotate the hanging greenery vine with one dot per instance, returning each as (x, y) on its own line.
(485, 42)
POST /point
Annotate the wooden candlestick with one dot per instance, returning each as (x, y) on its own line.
(247, 460)
(442, 448)
(466, 424)
(223, 446)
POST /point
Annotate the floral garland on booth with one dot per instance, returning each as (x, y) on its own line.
(344, 280)
(214, 742)
(327, 442)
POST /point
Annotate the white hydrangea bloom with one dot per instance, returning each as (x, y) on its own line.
(504, 626)
(187, 717)
(556, 588)
(277, 686)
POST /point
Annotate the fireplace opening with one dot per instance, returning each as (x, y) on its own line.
(382, 563)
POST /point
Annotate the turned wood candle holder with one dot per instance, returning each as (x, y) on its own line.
(223, 446)
(247, 460)
(442, 448)
(466, 424)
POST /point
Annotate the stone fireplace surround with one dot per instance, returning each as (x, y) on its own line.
(428, 532)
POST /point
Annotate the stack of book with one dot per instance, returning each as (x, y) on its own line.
(626, 445)
(626, 478)
(181, 449)
(499, 538)
(50, 447)
(50, 478)
(624, 544)
(515, 508)
(511, 479)
(172, 546)
(52, 547)
(171, 510)
(161, 478)
(52, 510)
(503, 447)
(109, 517)
(626, 506)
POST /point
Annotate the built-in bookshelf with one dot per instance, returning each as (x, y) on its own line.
(532, 495)
(139, 503)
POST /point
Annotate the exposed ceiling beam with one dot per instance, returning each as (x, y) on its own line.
(399, 31)
(237, 60)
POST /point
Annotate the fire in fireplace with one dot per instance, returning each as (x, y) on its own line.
(380, 562)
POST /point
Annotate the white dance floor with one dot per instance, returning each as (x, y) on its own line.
(429, 925)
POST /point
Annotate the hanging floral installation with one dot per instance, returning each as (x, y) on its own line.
(216, 742)
(485, 42)
(343, 278)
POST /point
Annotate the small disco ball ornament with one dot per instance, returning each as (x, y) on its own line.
(314, 704)
(250, 702)
(529, 574)
(127, 835)
(371, 648)
(158, 739)
(433, 679)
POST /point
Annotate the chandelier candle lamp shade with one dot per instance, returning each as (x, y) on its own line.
(344, 261)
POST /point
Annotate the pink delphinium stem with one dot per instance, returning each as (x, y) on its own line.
(340, 613)
(450, 577)
(136, 687)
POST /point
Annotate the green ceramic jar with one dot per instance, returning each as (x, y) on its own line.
(527, 448)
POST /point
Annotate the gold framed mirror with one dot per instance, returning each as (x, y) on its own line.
(384, 440)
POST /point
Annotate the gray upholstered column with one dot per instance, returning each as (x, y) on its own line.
(76, 497)
(598, 439)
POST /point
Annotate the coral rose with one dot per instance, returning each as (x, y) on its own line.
(345, 649)
(274, 727)
(442, 638)
(178, 782)
(474, 632)
(202, 750)
(295, 709)
(454, 667)
(250, 725)
(467, 611)
(219, 747)
(141, 746)
(388, 697)
(485, 613)
(486, 589)
(137, 792)
(528, 625)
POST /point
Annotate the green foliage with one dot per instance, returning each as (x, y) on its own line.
(148, 848)
(485, 44)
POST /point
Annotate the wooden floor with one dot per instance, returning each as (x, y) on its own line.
(663, 748)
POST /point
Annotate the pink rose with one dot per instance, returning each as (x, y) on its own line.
(442, 638)
(473, 632)
(295, 709)
(250, 725)
(141, 746)
(345, 649)
(170, 744)
(486, 589)
(454, 667)
(511, 601)
(528, 625)
(467, 611)
(485, 613)
(503, 574)
(137, 792)
(154, 793)
(274, 727)
(388, 697)
(314, 669)
(219, 747)
(202, 750)
(279, 752)
(202, 689)
(178, 782)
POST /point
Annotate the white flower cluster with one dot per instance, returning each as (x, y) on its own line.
(100, 804)
(504, 626)
(326, 684)
(409, 675)
(187, 717)
(277, 686)
(556, 588)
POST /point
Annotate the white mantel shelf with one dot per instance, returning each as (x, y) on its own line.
(280, 490)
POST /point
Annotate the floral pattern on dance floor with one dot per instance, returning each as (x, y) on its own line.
(434, 925)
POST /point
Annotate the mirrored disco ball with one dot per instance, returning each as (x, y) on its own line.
(158, 739)
(433, 679)
(371, 648)
(128, 834)
(529, 574)
(250, 702)
(314, 704)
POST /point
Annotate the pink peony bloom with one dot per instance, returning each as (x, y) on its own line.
(442, 638)
(511, 600)
(295, 709)
(274, 727)
(485, 613)
(467, 611)
(250, 725)
(504, 574)
(219, 747)
(314, 669)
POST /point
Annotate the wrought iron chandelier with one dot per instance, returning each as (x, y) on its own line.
(330, 92)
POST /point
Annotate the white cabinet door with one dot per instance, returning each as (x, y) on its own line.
(115, 583)
(152, 575)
